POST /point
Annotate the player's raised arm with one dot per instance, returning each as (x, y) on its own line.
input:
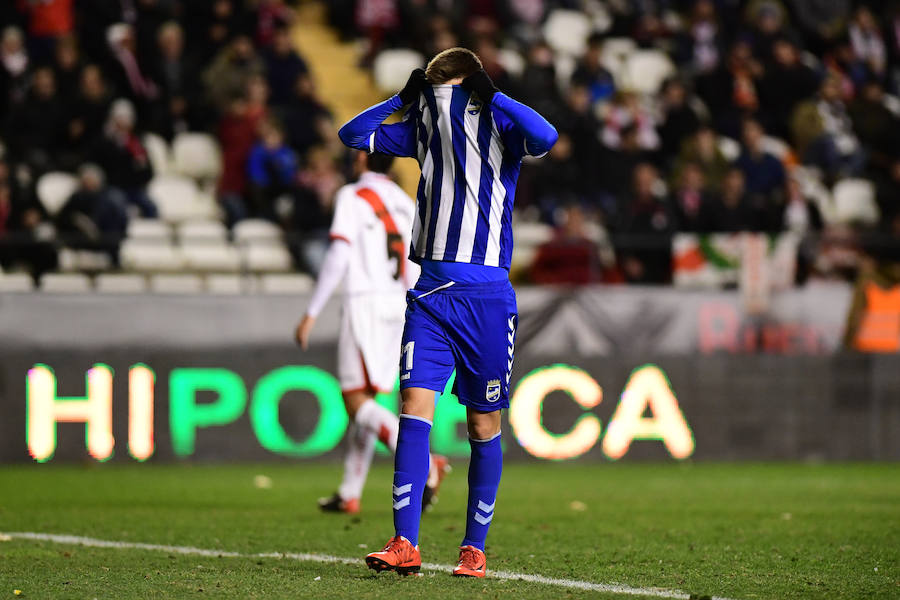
(366, 132)
(539, 134)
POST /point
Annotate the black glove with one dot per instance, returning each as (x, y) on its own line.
(413, 87)
(481, 84)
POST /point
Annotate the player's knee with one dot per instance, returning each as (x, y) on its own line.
(483, 426)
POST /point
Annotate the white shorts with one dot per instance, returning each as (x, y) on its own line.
(369, 344)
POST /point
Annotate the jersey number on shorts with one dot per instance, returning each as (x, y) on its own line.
(406, 359)
(395, 247)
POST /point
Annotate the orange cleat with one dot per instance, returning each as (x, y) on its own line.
(440, 466)
(338, 504)
(471, 562)
(398, 555)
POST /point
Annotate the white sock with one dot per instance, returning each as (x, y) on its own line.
(380, 421)
(357, 460)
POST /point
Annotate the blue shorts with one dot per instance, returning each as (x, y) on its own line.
(467, 326)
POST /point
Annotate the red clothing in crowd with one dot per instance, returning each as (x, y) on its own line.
(48, 18)
(237, 134)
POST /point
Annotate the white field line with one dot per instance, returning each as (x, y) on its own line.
(324, 558)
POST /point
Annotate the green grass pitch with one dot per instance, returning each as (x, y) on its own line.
(740, 531)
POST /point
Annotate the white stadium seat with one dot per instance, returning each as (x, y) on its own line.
(83, 260)
(158, 153)
(294, 283)
(204, 231)
(511, 61)
(54, 189)
(730, 149)
(250, 230)
(567, 31)
(645, 71)
(211, 256)
(531, 234)
(262, 257)
(180, 283)
(196, 155)
(228, 283)
(615, 54)
(16, 282)
(121, 283)
(66, 283)
(391, 68)
(141, 255)
(776, 147)
(854, 202)
(178, 199)
(149, 229)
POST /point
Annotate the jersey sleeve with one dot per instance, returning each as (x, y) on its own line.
(523, 130)
(396, 139)
(345, 223)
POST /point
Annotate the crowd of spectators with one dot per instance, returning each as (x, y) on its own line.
(816, 76)
(82, 83)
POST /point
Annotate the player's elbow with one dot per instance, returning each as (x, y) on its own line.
(346, 135)
(545, 139)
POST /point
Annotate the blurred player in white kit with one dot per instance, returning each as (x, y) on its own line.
(370, 238)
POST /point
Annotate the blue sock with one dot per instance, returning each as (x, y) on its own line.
(485, 468)
(411, 464)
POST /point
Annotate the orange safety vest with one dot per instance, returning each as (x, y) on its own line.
(879, 328)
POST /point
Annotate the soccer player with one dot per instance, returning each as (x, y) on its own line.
(469, 140)
(370, 234)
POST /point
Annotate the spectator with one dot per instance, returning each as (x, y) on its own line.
(272, 172)
(628, 110)
(85, 117)
(231, 71)
(590, 71)
(272, 16)
(644, 228)
(283, 67)
(691, 201)
(786, 82)
(67, 67)
(821, 21)
(801, 214)
(730, 92)
(764, 174)
(35, 123)
(13, 68)
(876, 127)
(48, 20)
(94, 216)
(680, 120)
(122, 155)
(557, 179)
(306, 120)
(179, 81)
(867, 41)
(701, 46)
(617, 167)
(538, 82)
(768, 22)
(733, 211)
(703, 150)
(570, 257)
(823, 131)
(127, 74)
(24, 231)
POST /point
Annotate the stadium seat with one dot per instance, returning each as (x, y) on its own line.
(203, 231)
(149, 256)
(230, 284)
(54, 189)
(567, 31)
(776, 147)
(66, 283)
(209, 255)
(512, 61)
(177, 199)
(83, 260)
(564, 66)
(121, 283)
(531, 234)
(158, 153)
(294, 283)
(149, 229)
(196, 155)
(615, 53)
(645, 70)
(180, 283)
(16, 282)
(854, 202)
(250, 230)
(391, 68)
(730, 149)
(266, 256)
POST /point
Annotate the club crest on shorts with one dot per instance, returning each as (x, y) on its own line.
(492, 393)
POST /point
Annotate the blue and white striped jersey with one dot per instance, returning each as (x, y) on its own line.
(470, 156)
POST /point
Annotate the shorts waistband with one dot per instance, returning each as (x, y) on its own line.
(455, 288)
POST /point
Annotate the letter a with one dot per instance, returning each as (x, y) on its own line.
(648, 386)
